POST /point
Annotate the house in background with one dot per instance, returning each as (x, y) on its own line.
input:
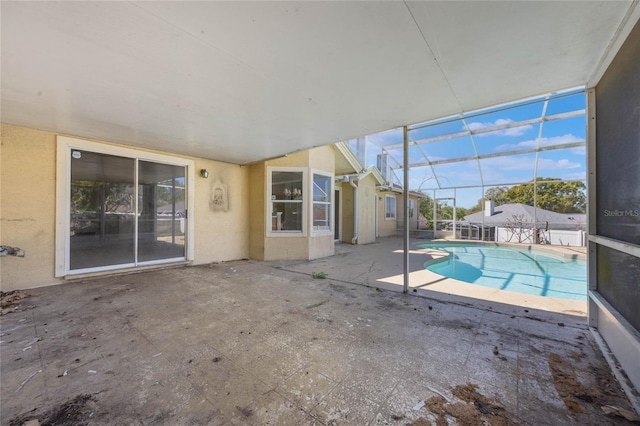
(391, 201)
(520, 223)
(379, 204)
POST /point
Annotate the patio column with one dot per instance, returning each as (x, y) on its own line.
(405, 165)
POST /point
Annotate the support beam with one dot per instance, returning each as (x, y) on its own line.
(405, 132)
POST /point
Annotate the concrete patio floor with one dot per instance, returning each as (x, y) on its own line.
(265, 343)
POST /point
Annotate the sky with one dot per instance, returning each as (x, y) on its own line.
(567, 163)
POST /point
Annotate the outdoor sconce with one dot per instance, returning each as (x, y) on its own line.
(204, 173)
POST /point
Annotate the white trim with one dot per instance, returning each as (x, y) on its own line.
(330, 176)
(395, 205)
(63, 193)
(376, 213)
(269, 205)
(628, 248)
(136, 225)
(623, 340)
(347, 153)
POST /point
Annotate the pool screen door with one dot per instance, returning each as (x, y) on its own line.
(124, 212)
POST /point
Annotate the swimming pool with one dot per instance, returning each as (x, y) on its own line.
(522, 271)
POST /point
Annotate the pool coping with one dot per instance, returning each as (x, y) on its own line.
(566, 252)
(431, 284)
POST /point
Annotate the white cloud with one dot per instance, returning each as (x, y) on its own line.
(575, 175)
(526, 163)
(580, 150)
(512, 131)
(509, 163)
(549, 164)
(533, 143)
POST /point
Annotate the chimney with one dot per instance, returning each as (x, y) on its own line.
(383, 166)
(488, 208)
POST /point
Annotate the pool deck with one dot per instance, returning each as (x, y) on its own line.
(381, 265)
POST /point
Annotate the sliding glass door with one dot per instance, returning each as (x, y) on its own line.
(161, 211)
(124, 212)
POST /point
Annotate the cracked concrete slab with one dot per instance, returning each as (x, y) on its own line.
(265, 343)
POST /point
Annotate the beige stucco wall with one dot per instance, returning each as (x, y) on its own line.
(284, 247)
(366, 208)
(347, 213)
(27, 209)
(386, 227)
(257, 186)
(221, 236)
(366, 211)
(278, 247)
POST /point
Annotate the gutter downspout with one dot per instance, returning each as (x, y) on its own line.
(355, 210)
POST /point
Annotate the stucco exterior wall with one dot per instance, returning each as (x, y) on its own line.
(386, 227)
(287, 246)
(282, 247)
(257, 232)
(28, 209)
(321, 246)
(366, 208)
(323, 158)
(347, 213)
(221, 236)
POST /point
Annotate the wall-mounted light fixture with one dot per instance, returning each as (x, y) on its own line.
(204, 173)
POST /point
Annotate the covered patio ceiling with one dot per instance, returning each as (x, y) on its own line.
(245, 81)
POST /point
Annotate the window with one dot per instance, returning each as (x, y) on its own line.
(412, 206)
(286, 201)
(390, 207)
(321, 220)
(120, 207)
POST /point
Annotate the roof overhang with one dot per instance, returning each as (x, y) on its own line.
(244, 81)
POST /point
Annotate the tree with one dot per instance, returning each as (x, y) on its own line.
(516, 227)
(559, 197)
(497, 194)
(426, 207)
(443, 211)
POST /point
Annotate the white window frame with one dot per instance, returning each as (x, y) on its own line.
(395, 206)
(63, 195)
(269, 202)
(329, 203)
(412, 207)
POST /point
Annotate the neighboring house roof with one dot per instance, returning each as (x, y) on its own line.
(506, 212)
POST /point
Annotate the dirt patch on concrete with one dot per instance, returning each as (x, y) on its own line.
(586, 392)
(421, 422)
(471, 409)
(10, 301)
(573, 393)
(77, 412)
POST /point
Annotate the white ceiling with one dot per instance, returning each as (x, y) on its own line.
(245, 81)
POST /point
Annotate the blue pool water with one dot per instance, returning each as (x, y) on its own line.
(522, 271)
